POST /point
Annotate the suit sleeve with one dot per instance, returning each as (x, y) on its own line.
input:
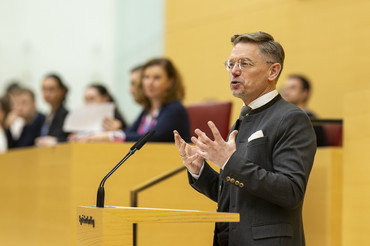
(207, 183)
(289, 155)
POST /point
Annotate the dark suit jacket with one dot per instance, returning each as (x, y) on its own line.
(29, 133)
(56, 126)
(265, 179)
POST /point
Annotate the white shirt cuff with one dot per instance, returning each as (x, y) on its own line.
(196, 176)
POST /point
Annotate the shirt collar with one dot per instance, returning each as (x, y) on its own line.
(262, 100)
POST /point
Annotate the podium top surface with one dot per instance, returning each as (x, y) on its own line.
(140, 214)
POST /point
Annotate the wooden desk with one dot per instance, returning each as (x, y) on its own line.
(41, 188)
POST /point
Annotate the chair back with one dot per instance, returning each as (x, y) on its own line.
(217, 112)
(329, 132)
(333, 134)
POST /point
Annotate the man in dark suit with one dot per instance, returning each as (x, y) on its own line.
(265, 162)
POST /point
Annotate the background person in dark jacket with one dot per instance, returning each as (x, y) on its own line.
(25, 107)
(54, 92)
(297, 90)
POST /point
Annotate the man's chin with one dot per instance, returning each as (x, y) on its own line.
(236, 94)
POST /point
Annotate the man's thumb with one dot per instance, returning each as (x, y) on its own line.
(233, 135)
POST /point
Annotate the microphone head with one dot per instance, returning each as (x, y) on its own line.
(142, 140)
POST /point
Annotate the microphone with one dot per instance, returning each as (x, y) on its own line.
(136, 146)
(142, 141)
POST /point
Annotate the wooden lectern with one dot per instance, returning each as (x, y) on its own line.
(114, 225)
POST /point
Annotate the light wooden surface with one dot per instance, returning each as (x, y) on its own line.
(43, 186)
(322, 207)
(160, 215)
(356, 171)
(113, 225)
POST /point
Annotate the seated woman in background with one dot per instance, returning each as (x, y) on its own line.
(54, 92)
(97, 93)
(160, 91)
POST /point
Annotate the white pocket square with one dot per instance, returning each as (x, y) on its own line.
(257, 134)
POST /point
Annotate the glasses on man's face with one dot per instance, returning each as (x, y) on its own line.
(243, 64)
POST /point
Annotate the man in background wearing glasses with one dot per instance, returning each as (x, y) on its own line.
(266, 161)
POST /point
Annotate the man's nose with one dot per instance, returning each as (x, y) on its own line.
(236, 70)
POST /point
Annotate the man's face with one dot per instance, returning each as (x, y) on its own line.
(257, 78)
(293, 91)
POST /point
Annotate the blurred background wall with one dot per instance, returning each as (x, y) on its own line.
(96, 40)
(82, 40)
(87, 41)
(326, 40)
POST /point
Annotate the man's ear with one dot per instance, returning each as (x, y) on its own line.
(274, 71)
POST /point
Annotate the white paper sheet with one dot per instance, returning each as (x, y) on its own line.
(88, 118)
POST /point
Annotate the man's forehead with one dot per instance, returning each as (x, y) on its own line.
(245, 50)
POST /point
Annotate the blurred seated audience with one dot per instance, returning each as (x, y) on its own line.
(297, 90)
(100, 114)
(4, 111)
(13, 121)
(54, 92)
(25, 107)
(97, 93)
(160, 92)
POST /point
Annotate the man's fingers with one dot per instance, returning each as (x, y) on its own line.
(178, 139)
(198, 143)
(179, 143)
(203, 137)
(216, 134)
(202, 153)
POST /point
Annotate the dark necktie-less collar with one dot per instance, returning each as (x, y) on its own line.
(246, 110)
(243, 112)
